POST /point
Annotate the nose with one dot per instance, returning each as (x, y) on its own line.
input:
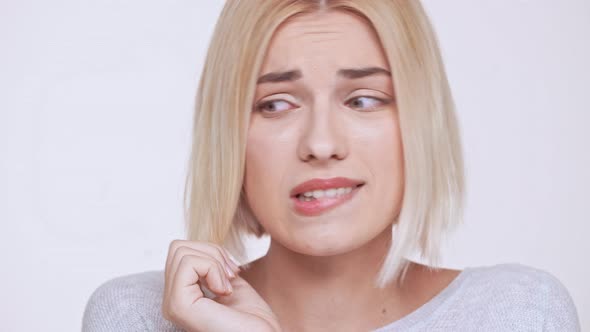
(322, 140)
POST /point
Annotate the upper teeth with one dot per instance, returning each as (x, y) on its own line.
(333, 192)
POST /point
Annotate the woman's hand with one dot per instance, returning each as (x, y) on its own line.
(237, 307)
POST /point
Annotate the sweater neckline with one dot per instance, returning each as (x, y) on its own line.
(424, 311)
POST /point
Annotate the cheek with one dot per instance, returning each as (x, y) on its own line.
(380, 144)
(268, 156)
(382, 154)
(390, 156)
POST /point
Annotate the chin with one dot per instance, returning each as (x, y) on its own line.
(328, 243)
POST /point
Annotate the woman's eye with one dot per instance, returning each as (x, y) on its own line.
(365, 102)
(273, 106)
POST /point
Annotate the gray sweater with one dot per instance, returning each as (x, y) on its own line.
(503, 297)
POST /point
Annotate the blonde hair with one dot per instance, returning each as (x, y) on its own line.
(216, 211)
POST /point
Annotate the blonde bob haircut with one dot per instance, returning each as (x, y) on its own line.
(215, 206)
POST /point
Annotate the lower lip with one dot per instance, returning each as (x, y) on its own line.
(319, 206)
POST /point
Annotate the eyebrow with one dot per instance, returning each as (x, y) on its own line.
(349, 73)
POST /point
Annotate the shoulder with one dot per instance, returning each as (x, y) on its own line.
(128, 303)
(520, 291)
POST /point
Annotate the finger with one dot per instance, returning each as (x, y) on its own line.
(172, 257)
(167, 275)
(232, 262)
(171, 251)
(218, 252)
(227, 257)
(205, 247)
(185, 288)
(208, 315)
(185, 251)
(212, 249)
(192, 271)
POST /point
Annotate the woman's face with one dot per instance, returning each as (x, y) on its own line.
(324, 108)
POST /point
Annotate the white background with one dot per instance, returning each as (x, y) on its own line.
(95, 118)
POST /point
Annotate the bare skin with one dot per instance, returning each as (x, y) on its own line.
(335, 294)
(319, 272)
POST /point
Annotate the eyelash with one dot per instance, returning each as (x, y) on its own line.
(260, 106)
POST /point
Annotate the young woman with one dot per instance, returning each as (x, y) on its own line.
(329, 126)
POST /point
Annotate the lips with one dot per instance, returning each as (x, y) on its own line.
(324, 184)
(311, 206)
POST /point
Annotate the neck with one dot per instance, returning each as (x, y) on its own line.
(328, 292)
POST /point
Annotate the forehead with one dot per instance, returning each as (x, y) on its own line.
(333, 38)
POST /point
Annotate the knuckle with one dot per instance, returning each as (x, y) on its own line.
(185, 260)
(217, 252)
(219, 249)
(181, 250)
(190, 260)
(218, 265)
(219, 256)
(174, 244)
(184, 251)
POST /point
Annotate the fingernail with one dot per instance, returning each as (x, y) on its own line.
(224, 282)
(229, 288)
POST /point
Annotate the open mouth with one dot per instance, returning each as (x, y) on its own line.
(319, 195)
(318, 202)
(332, 193)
